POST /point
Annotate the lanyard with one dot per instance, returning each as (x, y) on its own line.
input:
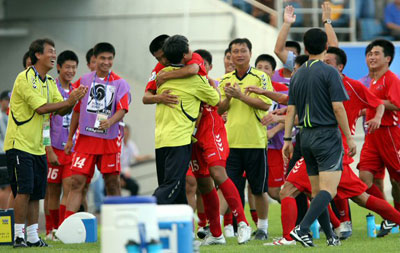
(62, 91)
(45, 80)
(105, 89)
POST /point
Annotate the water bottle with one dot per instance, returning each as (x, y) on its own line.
(315, 229)
(371, 229)
(395, 230)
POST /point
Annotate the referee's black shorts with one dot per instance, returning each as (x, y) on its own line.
(254, 162)
(4, 180)
(322, 149)
(27, 173)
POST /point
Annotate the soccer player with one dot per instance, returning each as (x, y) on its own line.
(208, 163)
(315, 95)
(59, 163)
(247, 137)
(381, 147)
(276, 173)
(175, 124)
(34, 96)
(98, 115)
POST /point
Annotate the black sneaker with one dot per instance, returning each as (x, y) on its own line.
(202, 232)
(386, 227)
(304, 239)
(19, 243)
(260, 235)
(39, 243)
(333, 241)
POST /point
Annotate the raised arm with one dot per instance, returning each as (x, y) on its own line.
(330, 32)
(288, 19)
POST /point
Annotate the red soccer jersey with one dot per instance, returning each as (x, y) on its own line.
(360, 98)
(386, 88)
(196, 59)
(93, 145)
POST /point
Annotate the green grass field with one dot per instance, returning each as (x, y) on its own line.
(358, 243)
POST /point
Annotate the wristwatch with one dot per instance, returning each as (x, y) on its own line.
(327, 21)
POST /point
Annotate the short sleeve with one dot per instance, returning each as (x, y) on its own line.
(77, 107)
(56, 96)
(197, 59)
(289, 64)
(291, 93)
(30, 92)
(393, 93)
(221, 88)
(265, 85)
(336, 88)
(151, 84)
(369, 99)
(207, 93)
(123, 103)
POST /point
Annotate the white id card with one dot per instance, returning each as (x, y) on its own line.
(99, 118)
(46, 133)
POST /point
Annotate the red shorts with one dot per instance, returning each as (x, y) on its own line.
(212, 148)
(349, 186)
(276, 170)
(382, 149)
(55, 174)
(83, 164)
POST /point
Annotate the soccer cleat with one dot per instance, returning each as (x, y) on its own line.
(261, 235)
(228, 231)
(244, 232)
(334, 241)
(196, 246)
(346, 230)
(281, 242)
(49, 236)
(39, 243)
(19, 243)
(211, 240)
(202, 232)
(386, 226)
(304, 239)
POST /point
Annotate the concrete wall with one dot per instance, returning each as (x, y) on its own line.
(130, 25)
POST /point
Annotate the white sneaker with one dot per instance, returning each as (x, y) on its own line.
(346, 230)
(280, 242)
(228, 231)
(244, 232)
(211, 240)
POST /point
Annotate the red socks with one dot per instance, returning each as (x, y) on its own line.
(288, 216)
(49, 223)
(374, 191)
(383, 208)
(254, 216)
(55, 217)
(62, 214)
(232, 197)
(334, 220)
(68, 213)
(211, 208)
(228, 219)
(342, 206)
(202, 219)
(397, 206)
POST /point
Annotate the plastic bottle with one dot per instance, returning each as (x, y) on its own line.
(371, 228)
(315, 229)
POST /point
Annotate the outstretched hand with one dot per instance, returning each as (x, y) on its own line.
(289, 16)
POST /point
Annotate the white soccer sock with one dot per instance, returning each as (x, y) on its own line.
(19, 231)
(221, 219)
(32, 235)
(262, 224)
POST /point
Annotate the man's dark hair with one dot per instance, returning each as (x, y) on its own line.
(175, 47)
(157, 43)
(26, 56)
(301, 59)
(228, 50)
(89, 55)
(340, 55)
(267, 58)
(67, 55)
(240, 41)
(205, 55)
(5, 95)
(37, 46)
(315, 41)
(103, 47)
(388, 48)
(294, 44)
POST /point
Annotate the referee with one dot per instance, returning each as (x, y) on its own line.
(316, 93)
